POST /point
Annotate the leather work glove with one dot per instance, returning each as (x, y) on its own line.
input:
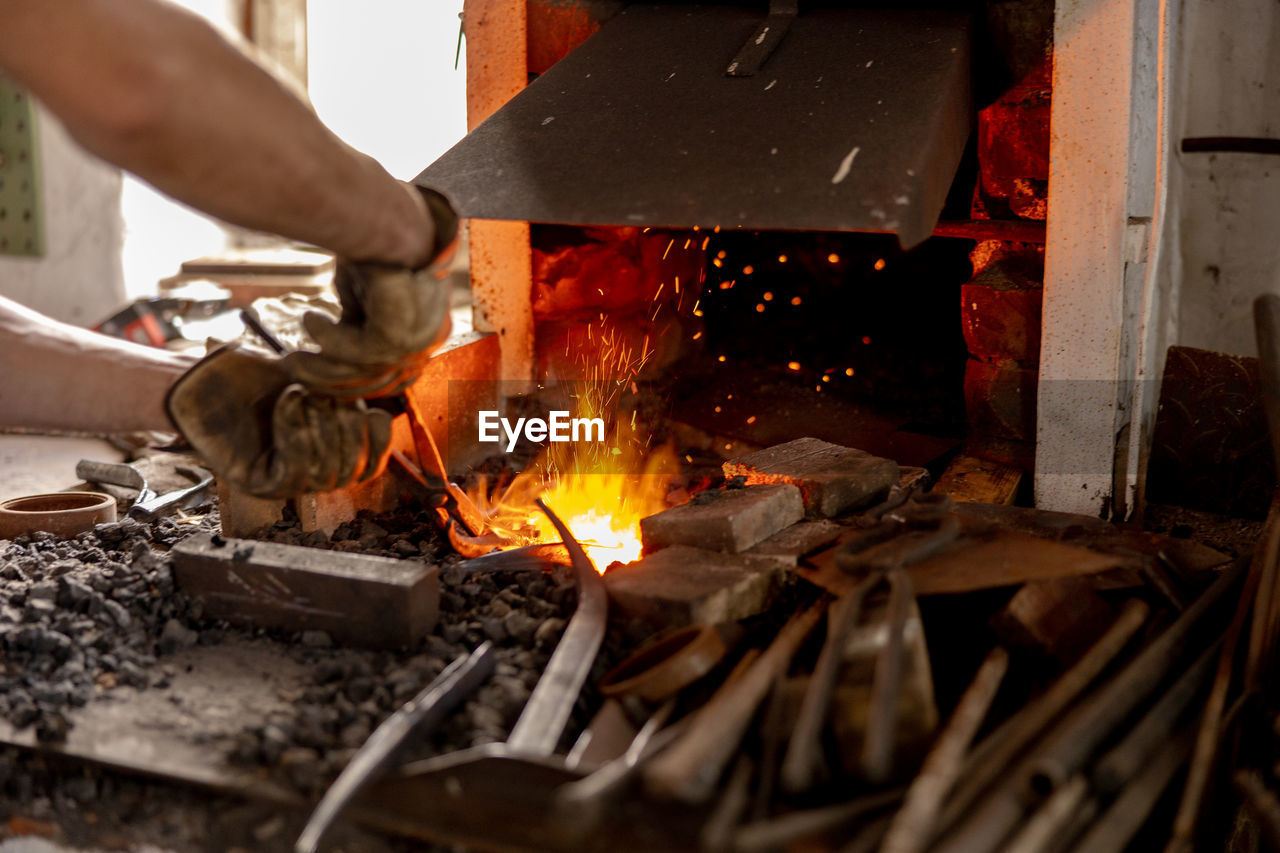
(392, 320)
(269, 435)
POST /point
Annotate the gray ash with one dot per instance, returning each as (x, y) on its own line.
(80, 616)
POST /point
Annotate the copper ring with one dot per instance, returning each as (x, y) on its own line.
(673, 661)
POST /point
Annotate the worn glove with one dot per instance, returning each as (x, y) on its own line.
(392, 320)
(269, 435)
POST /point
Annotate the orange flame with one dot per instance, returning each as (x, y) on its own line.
(600, 489)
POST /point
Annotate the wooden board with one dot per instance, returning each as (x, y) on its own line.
(969, 479)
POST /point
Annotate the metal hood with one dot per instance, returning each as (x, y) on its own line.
(855, 121)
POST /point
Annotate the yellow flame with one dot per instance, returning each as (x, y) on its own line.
(600, 490)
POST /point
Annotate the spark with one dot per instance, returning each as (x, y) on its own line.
(833, 258)
(793, 365)
(879, 264)
(848, 371)
(866, 339)
(768, 296)
(721, 358)
(748, 269)
(782, 259)
(759, 307)
(668, 249)
(751, 419)
(795, 300)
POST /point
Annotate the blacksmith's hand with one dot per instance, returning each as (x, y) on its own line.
(393, 318)
(270, 436)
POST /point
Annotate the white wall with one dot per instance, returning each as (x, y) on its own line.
(380, 74)
(1228, 204)
(79, 280)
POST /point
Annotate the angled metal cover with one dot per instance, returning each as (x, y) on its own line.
(855, 123)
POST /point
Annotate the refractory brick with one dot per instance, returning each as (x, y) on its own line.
(355, 598)
(729, 520)
(691, 586)
(832, 479)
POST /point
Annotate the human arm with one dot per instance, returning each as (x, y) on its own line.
(61, 377)
(152, 88)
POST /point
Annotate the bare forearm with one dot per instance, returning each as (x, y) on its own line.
(56, 376)
(153, 89)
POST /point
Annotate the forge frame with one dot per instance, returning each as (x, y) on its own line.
(1112, 284)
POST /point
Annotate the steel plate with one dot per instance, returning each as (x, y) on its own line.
(856, 122)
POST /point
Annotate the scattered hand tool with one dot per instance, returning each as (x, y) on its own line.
(147, 506)
(882, 719)
(521, 773)
(419, 716)
(993, 756)
(801, 766)
(913, 825)
(582, 802)
(915, 531)
(673, 661)
(690, 768)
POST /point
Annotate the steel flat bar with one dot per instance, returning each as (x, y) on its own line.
(857, 122)
(542, 722)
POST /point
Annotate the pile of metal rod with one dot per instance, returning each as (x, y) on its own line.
(1079, 768)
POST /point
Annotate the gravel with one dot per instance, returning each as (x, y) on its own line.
(80, 616)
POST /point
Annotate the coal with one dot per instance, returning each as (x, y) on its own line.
(106, 616)
(85, 613)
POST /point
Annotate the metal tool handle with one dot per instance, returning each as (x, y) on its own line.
(421, 714)
(115, 474)
(156, 505)
(542, 722)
